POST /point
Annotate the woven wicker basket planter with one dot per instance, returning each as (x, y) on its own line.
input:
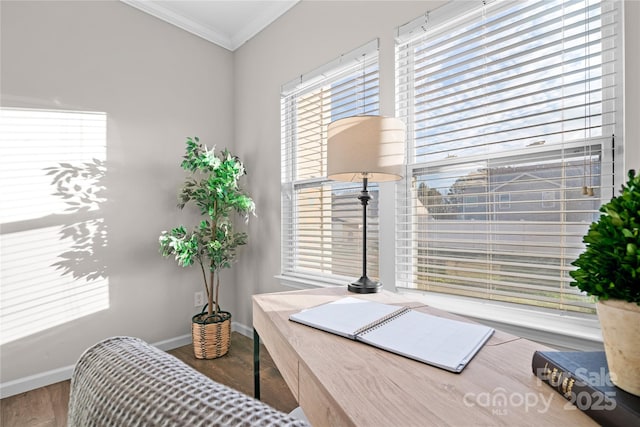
(211, 336)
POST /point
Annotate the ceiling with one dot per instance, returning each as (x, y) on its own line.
(227, 23)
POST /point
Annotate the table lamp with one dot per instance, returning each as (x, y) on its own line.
(367, 149)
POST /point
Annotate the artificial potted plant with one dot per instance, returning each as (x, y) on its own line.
(212, 186)
(609, 269)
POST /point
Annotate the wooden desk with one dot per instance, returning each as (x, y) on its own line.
(340, 382)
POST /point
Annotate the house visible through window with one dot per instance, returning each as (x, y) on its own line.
(321, 219)
(513, 117)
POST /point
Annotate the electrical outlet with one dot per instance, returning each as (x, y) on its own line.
(198, 299)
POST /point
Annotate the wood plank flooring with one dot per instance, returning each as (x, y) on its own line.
(47, 406)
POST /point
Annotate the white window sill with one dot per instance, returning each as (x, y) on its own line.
(564, 331)
(301, 281)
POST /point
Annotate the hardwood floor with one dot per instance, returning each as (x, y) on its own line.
(47, 406)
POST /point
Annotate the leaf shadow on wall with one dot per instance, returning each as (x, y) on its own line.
(82, 187)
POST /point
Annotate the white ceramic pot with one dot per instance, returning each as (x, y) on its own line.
(620, 322)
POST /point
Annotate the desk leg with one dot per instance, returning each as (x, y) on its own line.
(256, 364)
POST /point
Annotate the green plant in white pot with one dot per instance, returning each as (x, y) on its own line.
(212, 186)
(609, 269)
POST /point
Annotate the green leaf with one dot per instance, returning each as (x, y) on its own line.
(609, 266)
(211, 186)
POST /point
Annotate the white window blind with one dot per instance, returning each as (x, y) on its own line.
(321, 219)
(513, 116)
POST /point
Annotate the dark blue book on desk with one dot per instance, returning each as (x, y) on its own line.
(582, 377)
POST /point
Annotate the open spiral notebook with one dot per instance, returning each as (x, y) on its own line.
(445, 343)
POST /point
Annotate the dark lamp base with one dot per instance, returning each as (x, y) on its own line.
(364, 285)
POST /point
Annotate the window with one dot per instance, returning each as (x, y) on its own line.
(513, 116)
(548, 199)
(321, 219)
(504, 200)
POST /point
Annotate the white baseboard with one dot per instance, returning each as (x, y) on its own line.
(172, 343)
(31, 382)
(43, 379)
(242, 329)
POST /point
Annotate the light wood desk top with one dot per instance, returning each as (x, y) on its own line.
(340, 382)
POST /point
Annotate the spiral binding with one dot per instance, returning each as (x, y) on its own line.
(373, 325)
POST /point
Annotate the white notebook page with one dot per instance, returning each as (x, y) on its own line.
(344, 316)
(446, 343)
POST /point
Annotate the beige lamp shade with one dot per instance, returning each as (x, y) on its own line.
(365, 146)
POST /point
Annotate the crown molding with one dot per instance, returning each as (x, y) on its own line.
(160, 12)
(272, 12)
(228, 41)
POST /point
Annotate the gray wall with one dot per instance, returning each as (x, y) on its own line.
(632, 85)
(311, 34)
(157, 84)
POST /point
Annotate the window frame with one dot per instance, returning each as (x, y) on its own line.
(438, 21)
(352, 63)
